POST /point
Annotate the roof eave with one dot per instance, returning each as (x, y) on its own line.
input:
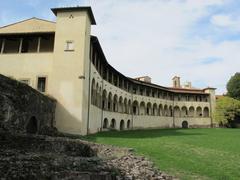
(85, 8)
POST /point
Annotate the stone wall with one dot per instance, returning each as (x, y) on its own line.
(24, 109)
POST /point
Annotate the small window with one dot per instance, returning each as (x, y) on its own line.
(69, 46)
(25, 81)
(41, 84)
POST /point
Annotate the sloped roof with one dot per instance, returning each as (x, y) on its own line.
(32, 25)
(186, 90)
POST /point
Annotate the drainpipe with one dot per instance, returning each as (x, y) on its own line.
(102, 105)
(89, 89)
(131, 107)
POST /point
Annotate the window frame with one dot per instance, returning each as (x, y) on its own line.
(66, 48)
(46, 83)
(25, 79)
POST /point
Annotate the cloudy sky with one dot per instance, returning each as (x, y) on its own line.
(198, 40)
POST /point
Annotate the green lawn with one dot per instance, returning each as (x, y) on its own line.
(185, 153)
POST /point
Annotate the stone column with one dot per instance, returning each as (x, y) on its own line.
(39, 44)
(20, 45)
(3, 45)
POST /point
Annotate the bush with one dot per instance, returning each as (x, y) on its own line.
(233, 86)
(227, 110)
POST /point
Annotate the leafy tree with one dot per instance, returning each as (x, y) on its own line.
(233, 86)
(227, 110)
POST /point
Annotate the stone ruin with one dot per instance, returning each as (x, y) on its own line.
(24, 109)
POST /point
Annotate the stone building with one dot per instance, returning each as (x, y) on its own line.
(64, 60)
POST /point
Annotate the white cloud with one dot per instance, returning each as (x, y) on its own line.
(71, 3)
(153, 38)
(226, 21)
(149, 38)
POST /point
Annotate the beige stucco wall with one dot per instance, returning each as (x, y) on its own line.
(65, 84)
(26, 66)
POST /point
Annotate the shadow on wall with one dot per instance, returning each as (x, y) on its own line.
(24, 109)
(32, 126)
(137, 134)
(66, 122)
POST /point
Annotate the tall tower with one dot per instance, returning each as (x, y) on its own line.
(69, 81)
(176, 82)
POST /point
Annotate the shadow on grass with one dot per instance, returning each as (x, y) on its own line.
(143, 134)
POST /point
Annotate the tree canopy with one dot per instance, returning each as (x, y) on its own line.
(233, 86)
(227, 109)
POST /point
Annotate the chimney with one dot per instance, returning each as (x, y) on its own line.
(176, 82)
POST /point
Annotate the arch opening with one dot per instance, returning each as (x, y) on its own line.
(135, 108)
(113, 124)
(32, 126)
(122, 125)
(206, 112)
(184, 124)
(176, 111)
(184, 112)
(199, 111)
(142, 108)
(105, 123)
(191, 111)
(128, 124)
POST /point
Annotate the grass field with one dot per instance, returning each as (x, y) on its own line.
(185, 153)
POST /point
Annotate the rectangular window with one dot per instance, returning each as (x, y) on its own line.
(120, 82)
(125, 85)
(47, 43)
(109, 77)
(25, 81)
(41, 84)
(179, 98)
(148, 93)
(134, 90)
(153, 94)
(105, 74)
(29, 44)
(115, 80)
(12, 45)
(69, 46)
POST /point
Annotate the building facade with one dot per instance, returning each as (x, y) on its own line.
(62, 59)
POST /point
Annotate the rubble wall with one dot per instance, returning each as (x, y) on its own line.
(24, 109)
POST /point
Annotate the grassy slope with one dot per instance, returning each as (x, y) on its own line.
(188, 154)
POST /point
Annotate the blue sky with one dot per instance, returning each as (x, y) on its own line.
(198, 40)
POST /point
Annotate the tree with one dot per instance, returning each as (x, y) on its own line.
(233, 86)
(227, 110)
